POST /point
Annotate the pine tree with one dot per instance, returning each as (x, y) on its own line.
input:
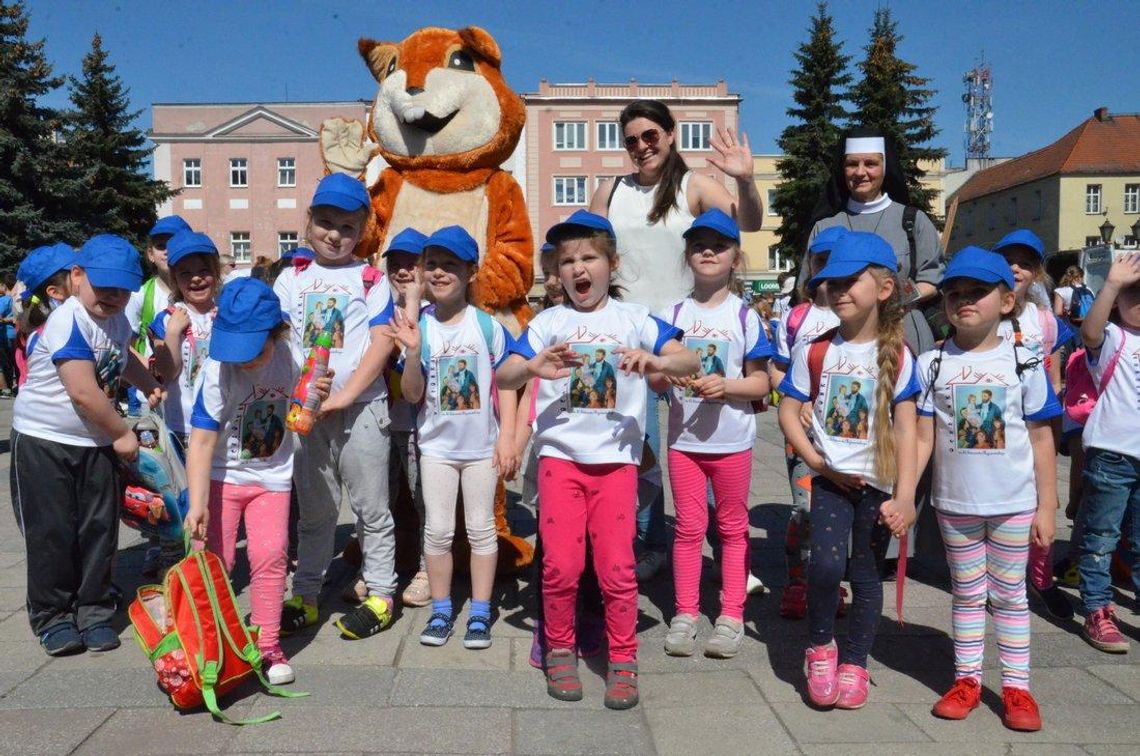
(33, 196)
(819, 85)
(892, 99)
(110, 154)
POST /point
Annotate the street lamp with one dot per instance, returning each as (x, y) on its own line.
(1106, 230)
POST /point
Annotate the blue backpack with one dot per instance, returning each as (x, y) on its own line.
(1081, 303)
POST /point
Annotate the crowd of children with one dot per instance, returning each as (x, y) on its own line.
(421, 394)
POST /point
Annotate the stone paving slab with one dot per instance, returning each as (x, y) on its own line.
(717, 729)
(25, 732)
(576, 731)
(155, 731)
(874, 723)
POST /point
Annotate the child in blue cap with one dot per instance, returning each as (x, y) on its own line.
(239, 464)
(66, 484)
(46, 276)
(985, 418)
(337, 294)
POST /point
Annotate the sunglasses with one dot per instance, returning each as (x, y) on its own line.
(649, 136)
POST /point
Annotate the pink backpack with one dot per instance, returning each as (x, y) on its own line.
(1080, 391)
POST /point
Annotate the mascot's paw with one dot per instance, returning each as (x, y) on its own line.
(344, 147)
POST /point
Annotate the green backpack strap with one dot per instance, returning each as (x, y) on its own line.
(146, 316)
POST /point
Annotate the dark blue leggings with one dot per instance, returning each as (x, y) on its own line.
(835, 516)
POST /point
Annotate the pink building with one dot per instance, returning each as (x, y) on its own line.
(246, 171)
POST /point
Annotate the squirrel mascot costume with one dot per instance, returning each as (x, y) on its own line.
(443, 122)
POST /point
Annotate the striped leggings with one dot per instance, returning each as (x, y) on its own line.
(987, 558)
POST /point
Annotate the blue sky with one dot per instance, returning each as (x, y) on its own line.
(1054, 62)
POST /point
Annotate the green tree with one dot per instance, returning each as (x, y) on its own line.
(891, 98)
(109, 154)
(33, 175)
(819, 85)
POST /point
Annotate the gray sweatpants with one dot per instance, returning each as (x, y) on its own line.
(349, 448)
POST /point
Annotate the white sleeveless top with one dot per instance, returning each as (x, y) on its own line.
(653, 269)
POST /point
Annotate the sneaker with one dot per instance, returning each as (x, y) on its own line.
(1067, 574)
(853, 681)
(297, 615)
(841, 609)
(1021, 712)
(621, 686)
(754, 585)
(61, 639)
(537, 645)
(562, 681)
(793, 602)
(724, 643)
(649, 564)
(591, 634)
(820, 669)
(681, 640)
(417, 593)
(1055, 601)
(962, 698)
(151, 560)
(101, 637)
(355, 593)
(374, 615)
(437, 630)
(1101, 632)
(478, 633)
(276, 665)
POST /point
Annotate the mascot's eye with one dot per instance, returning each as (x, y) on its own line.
(461, 60)
(391, 67)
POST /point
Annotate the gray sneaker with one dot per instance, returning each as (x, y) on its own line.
(725, 641)
(681, 640)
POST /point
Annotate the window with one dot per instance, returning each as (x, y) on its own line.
(1129, 240)
(599, 180)
(286, 240)
(695, 135)
(570, 135)
(286, 172)
(772, 202)
(1092, 241)
(239, 245)
(238, 174)
(609, 136)
(192, 172)
(1039, 204)
(777, 260)
(1132, 198)
(1013, 211)
(570, 190)
(1092, 199)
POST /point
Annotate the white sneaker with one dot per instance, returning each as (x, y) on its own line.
(754, 585)
(725, 641)
(681, 640)
(279, 671)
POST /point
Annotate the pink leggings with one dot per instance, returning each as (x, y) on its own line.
(267, 538)
(599, 500)
(689, 474)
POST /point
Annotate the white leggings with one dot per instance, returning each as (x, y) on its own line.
(441, 479)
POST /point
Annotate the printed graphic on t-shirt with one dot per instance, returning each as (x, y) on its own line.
(593, 385)
(262, 427)
(458, 385)
(108, 370)
(848, 408)
(711, 354)
(324, 313)
(198, 354)
(979, 412)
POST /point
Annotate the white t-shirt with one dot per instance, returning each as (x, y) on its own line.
(1032, 335)
(597, 415)
(134, 307)
(1114, 421)
(247, 409)
(195, 349)
(319, 300)
(1066, 294)
(843, 416)
(983, 461)
(782, 304)
(816, 322)
(715, 426)
(457, 419)
(42, 407)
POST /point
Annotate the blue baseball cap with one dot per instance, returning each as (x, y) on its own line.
(341, 191)
(169, 226)
(455, 240)
(853, 253)
(580, 219)
(41, 264)
(825, 240)
(546, 247)
(186, 243)
(110, 263)
(980, 265)
(716, 220)
(248, 311)
(1022, 237)
(409, 240)
(302, 253)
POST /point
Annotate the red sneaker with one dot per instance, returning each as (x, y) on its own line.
(1101, 632)
(793, 603)
(821, 668)
(962, 698)
(1021, 712)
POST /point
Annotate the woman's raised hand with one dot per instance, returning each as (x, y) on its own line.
(734, 156)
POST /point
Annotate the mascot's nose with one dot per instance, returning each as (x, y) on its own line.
(413, 91)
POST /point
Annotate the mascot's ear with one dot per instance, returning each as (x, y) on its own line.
(381, 57)
(482, 44)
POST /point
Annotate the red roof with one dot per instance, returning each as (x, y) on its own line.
(1102, 144)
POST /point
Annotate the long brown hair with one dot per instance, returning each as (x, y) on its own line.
(674, 168)
(889, 360)
(1072, 276)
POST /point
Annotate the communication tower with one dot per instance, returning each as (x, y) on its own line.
(979, 110)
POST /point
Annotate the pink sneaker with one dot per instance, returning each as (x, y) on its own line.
(853, 681)
(820, 670)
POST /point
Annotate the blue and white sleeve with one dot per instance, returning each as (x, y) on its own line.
(797, 381)
(210, 401)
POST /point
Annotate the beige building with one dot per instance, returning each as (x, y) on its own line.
(1068, 193)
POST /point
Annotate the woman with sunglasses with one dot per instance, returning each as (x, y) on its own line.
(650, 209)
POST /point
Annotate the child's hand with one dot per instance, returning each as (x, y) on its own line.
(554, 362)
(414, 291)
(806, 415)
(709, 386)
(334, 403)
(1125, 271)
(126, 446)
(156, 397)
(323, 386)
(405, 330)
(637, 361)
(178, 321)
(897, 515)
(1044, 528)
(195, 523)
(505, 460)
(845, 481)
